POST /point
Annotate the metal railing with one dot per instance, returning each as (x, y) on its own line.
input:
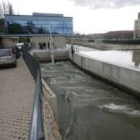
(30, 61)
(36, 127)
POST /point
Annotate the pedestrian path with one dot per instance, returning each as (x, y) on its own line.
(17, 89)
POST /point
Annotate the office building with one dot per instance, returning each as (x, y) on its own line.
(37, 23)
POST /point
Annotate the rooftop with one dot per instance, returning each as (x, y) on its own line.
(120, 32)
(30, 35)
(47, 14)
(35, 14)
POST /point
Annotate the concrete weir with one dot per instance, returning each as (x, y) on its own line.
(125, 78)
(45, 55)
(51, 99)
(51, 118)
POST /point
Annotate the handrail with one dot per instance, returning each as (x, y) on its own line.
(36, 127)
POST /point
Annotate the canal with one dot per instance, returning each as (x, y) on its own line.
(126, 58)
(129, 58)
(90, 109)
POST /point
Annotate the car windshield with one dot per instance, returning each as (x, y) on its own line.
(4, 53)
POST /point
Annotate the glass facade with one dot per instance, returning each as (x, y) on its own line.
(18, 24)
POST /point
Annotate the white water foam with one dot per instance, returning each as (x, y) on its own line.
(121, 109)
(58, 80)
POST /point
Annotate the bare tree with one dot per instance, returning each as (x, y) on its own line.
(6, 8)
(10, 9)
(3, 8)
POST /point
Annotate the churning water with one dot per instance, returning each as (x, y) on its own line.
(90, 109)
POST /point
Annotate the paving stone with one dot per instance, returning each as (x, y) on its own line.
(17, 89)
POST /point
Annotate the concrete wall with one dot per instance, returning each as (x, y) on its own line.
(59, 42)
(50, 114)
(44, 55)
(9, 41)
(51, 99)
(36, 40)
(123, 77)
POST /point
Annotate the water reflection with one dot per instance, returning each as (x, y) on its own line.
(129, 58)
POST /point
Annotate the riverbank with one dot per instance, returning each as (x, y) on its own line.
(108, 46)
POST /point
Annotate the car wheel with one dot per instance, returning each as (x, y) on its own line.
(15, 64)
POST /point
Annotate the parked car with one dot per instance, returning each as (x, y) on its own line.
(15, 50)
(7, 57)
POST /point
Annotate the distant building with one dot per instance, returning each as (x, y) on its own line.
(38, 23)
(137, 27)
(6, 41)
(95, 36)
(136, 57)
(119, 35)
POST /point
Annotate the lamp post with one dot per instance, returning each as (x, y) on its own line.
(51, 45)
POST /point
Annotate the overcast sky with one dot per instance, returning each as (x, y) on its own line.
(89, 16)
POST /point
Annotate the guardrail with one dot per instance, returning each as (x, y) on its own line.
(30, 61)
(36, 127)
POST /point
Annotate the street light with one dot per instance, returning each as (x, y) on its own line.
(51, 45)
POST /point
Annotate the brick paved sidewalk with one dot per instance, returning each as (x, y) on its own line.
(17, 89)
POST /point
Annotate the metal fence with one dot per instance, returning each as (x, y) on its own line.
(30, 61)
(36, 127)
